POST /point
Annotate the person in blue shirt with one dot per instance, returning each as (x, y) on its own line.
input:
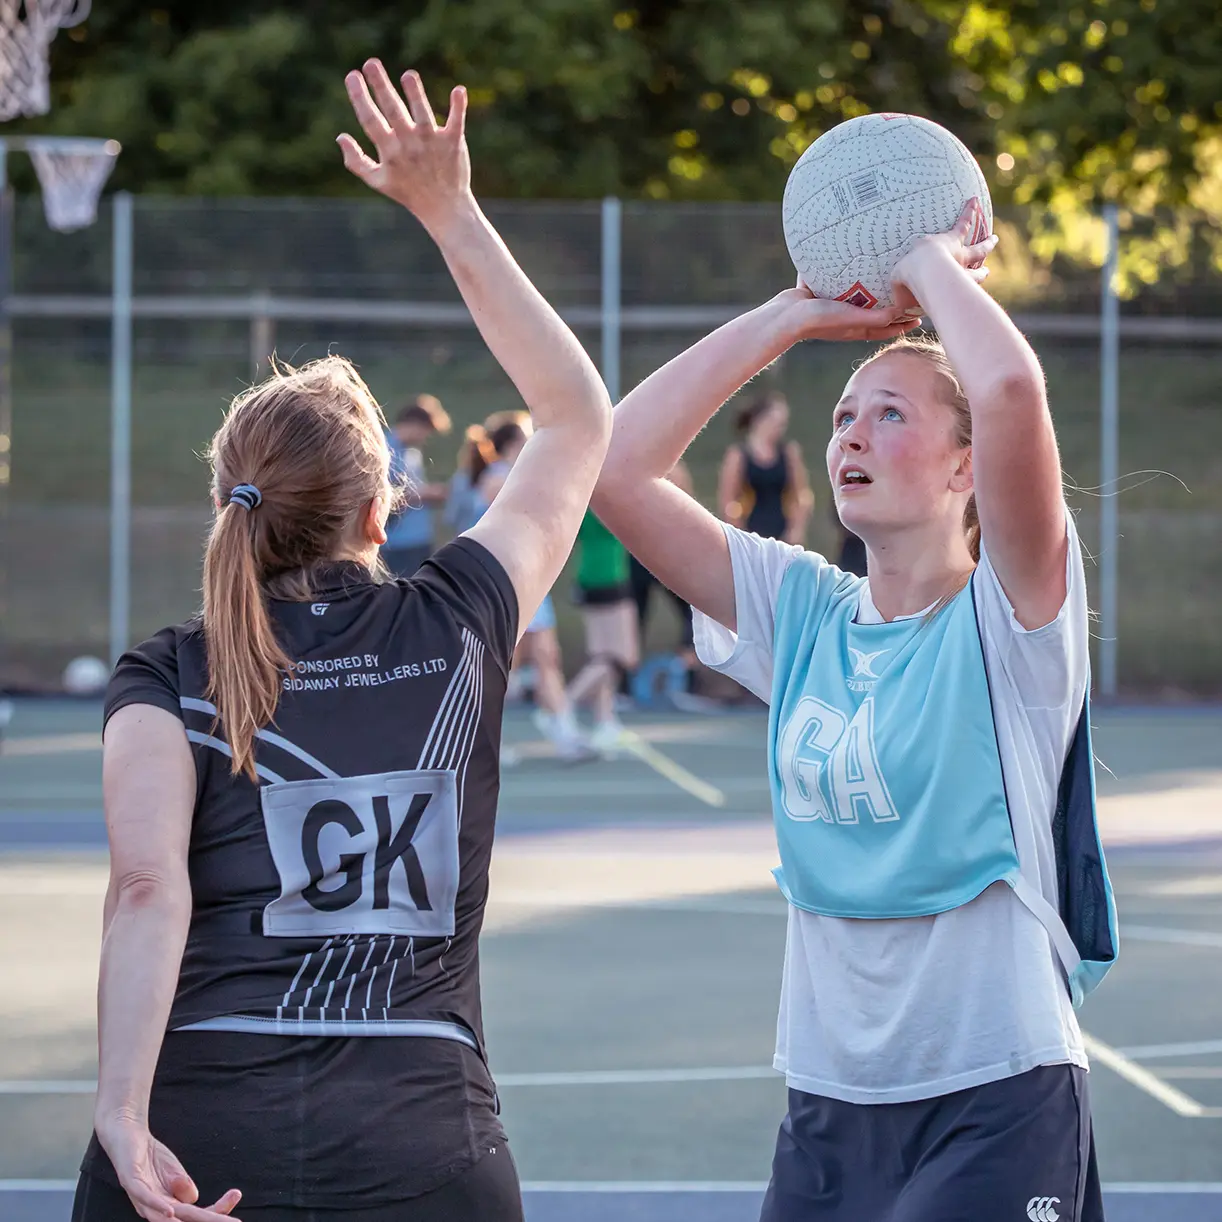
(409, 533)
(929, 751)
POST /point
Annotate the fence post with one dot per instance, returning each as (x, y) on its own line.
(6, 323)
(1109, 460)
(611, 251)
(121, 425)
(262, 334)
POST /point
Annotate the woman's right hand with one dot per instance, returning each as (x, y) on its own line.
(424, 167)
(809, 317)
(155, 1181)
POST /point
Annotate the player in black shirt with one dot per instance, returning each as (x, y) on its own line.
(301, 785)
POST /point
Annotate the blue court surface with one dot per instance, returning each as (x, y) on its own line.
(631, 967)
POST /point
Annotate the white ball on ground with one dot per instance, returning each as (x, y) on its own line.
(865, 191)
(86, 676)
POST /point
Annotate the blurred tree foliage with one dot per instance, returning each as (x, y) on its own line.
(1067, 102)
(1105, 101)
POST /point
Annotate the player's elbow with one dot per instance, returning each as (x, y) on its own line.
(143, 889)
(1019, 389)
(619, 480)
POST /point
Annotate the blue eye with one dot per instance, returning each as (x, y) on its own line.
(843, 419)
(892, 414)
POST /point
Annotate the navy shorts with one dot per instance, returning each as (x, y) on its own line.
(1020, 1148)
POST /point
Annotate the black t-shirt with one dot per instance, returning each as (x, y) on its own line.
(343, 894)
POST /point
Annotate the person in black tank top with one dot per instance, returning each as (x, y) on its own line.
(764, 487)
(301, 784)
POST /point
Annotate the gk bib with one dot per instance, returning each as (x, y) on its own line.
(364, 855)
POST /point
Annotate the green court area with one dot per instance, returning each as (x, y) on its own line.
(632, 962)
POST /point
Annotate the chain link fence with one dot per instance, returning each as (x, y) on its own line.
(219, 284)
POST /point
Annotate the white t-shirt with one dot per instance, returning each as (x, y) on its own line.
(887, 1011)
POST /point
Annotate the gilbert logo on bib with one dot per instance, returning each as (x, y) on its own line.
(364, 855)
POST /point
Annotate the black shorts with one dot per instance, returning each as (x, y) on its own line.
(318, 1122)
(1018, 1148)
(486, 1192)
(602, 596)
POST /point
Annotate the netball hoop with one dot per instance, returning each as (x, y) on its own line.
(71, 173)
(27, 29)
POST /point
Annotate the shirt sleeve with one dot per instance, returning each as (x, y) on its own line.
(147, 674)
(759, 566)
(1048, 666)
(474, 584)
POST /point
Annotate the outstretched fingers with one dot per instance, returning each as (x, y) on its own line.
(456, 120)
(372, 120)
(386, 95)
(417, 99)
(355, 158)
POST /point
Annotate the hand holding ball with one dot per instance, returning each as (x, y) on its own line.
(865, 192)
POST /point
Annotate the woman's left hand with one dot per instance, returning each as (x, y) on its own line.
(956, 242)
(811, 317)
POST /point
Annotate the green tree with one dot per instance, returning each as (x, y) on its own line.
(1105, 101)
(570, 98)
(1067, 107)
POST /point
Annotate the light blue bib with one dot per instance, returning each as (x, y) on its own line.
(887, 786)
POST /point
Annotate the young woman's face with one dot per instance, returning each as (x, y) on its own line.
(771, 424)
(893, 459)
(413, 433)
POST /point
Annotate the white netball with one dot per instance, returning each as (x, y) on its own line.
(865, 191)
(86, 676)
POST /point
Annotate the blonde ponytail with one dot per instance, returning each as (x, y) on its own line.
(245, 661)
(312, 443)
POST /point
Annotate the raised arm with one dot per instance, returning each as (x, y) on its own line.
(148, 789)
(1015, 464)
(426, 168)
(669, 532)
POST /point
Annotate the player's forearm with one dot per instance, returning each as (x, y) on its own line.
(554, 375)
(656, 422)
(141, 956)
(995, 365)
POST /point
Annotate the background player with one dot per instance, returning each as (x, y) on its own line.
(603, 593)
(409, 532)
(278, 898)
(539, 648)
(935, 1065)
(764, 486)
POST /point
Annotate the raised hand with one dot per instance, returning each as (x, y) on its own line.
(420, 165)
(957, 242)
(156, 1183)
(812, 317)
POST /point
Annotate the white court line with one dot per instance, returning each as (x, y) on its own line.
(581, 899)
(1143, 1052)
(37, 1185)
(1159, 1188)
(582, 1077)
(616, 1077)
(1115, 1060)
(51, 744)
(606, 1186)
(663, 765)
(48, 1086)
(1157, 933)
(661, 1186)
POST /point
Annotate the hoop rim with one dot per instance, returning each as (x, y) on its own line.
(60, 144)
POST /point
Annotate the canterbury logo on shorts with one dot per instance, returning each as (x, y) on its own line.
(364, 855)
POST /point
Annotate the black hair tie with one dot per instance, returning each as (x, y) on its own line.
(246, 495)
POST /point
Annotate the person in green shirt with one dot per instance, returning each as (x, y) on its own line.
(603, 591)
